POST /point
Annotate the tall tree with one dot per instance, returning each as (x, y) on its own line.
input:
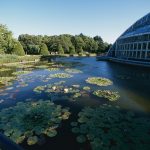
(18, 49)
(44, 49)
(6, 39)
(60, 49)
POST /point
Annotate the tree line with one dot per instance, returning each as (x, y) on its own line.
(44, 45)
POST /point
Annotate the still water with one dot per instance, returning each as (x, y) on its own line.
(132, 83)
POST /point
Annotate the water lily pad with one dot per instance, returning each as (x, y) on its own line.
(51, 133)
(74, 71)
(81, 139)
(21, 72)
(39, 89)
(30, 120)
(6, 80)
(86, 88)
(60, 75)
(42, 66)
(32, 140)
(108, 127)
(75, 130)
(52, 69)
(99, 81)
(111, 96)
(76, 95)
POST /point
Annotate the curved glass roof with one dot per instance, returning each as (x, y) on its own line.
(142, 26)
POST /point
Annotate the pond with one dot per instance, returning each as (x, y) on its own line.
(97, 104)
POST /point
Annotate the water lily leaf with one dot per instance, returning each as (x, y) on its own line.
(81, 139)
(51, 133)
(32, 140)
(99, 81)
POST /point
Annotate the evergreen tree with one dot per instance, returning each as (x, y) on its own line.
(18, 49)
(60, 49)
(44, 49)
(72, 50)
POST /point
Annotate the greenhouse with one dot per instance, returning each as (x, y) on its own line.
(134, 43)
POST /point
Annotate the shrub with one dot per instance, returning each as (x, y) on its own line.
(60, 49)
(44, 49)
(18, 49)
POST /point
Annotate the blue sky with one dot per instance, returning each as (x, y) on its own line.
(107, 18)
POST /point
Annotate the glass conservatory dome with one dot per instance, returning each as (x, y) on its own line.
(134, 43)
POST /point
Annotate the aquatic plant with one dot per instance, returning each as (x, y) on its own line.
(6, 80)
(111, 96)
(21, 72)
(60, 75)
(74, 71)
(59, 83)
(59, 90)
(76, 85)
(107, 127)
(22, 84)
(39, 89)
(7, 59)
(41, 66)
(76, 95)
(23, 66)
(31, 120)
(99, 81)
(4, 69)
(52, 69)
(86, 88)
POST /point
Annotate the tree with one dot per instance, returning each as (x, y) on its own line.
(72, 50)
(101, 45)
(64, 43)
(44, 49)
(33, 49)
(6, 39)
(60, 49)
(78, 44)
(18, 49)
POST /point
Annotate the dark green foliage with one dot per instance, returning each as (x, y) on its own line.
(72, 50)
(60, 49)
(32, 120)
(44, 49)
(30, 43)
(61, 44)
(18, 49)
(108, 127)
(39, 44)
(6, 40)
(33, 49)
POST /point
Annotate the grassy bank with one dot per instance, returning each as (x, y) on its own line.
(7, 58)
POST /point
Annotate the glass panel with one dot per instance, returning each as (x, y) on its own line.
(139, 46)
(148, 46)
(135, 46)
(138, 54)
(144, 46)
(148, 54)
(143, 54)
